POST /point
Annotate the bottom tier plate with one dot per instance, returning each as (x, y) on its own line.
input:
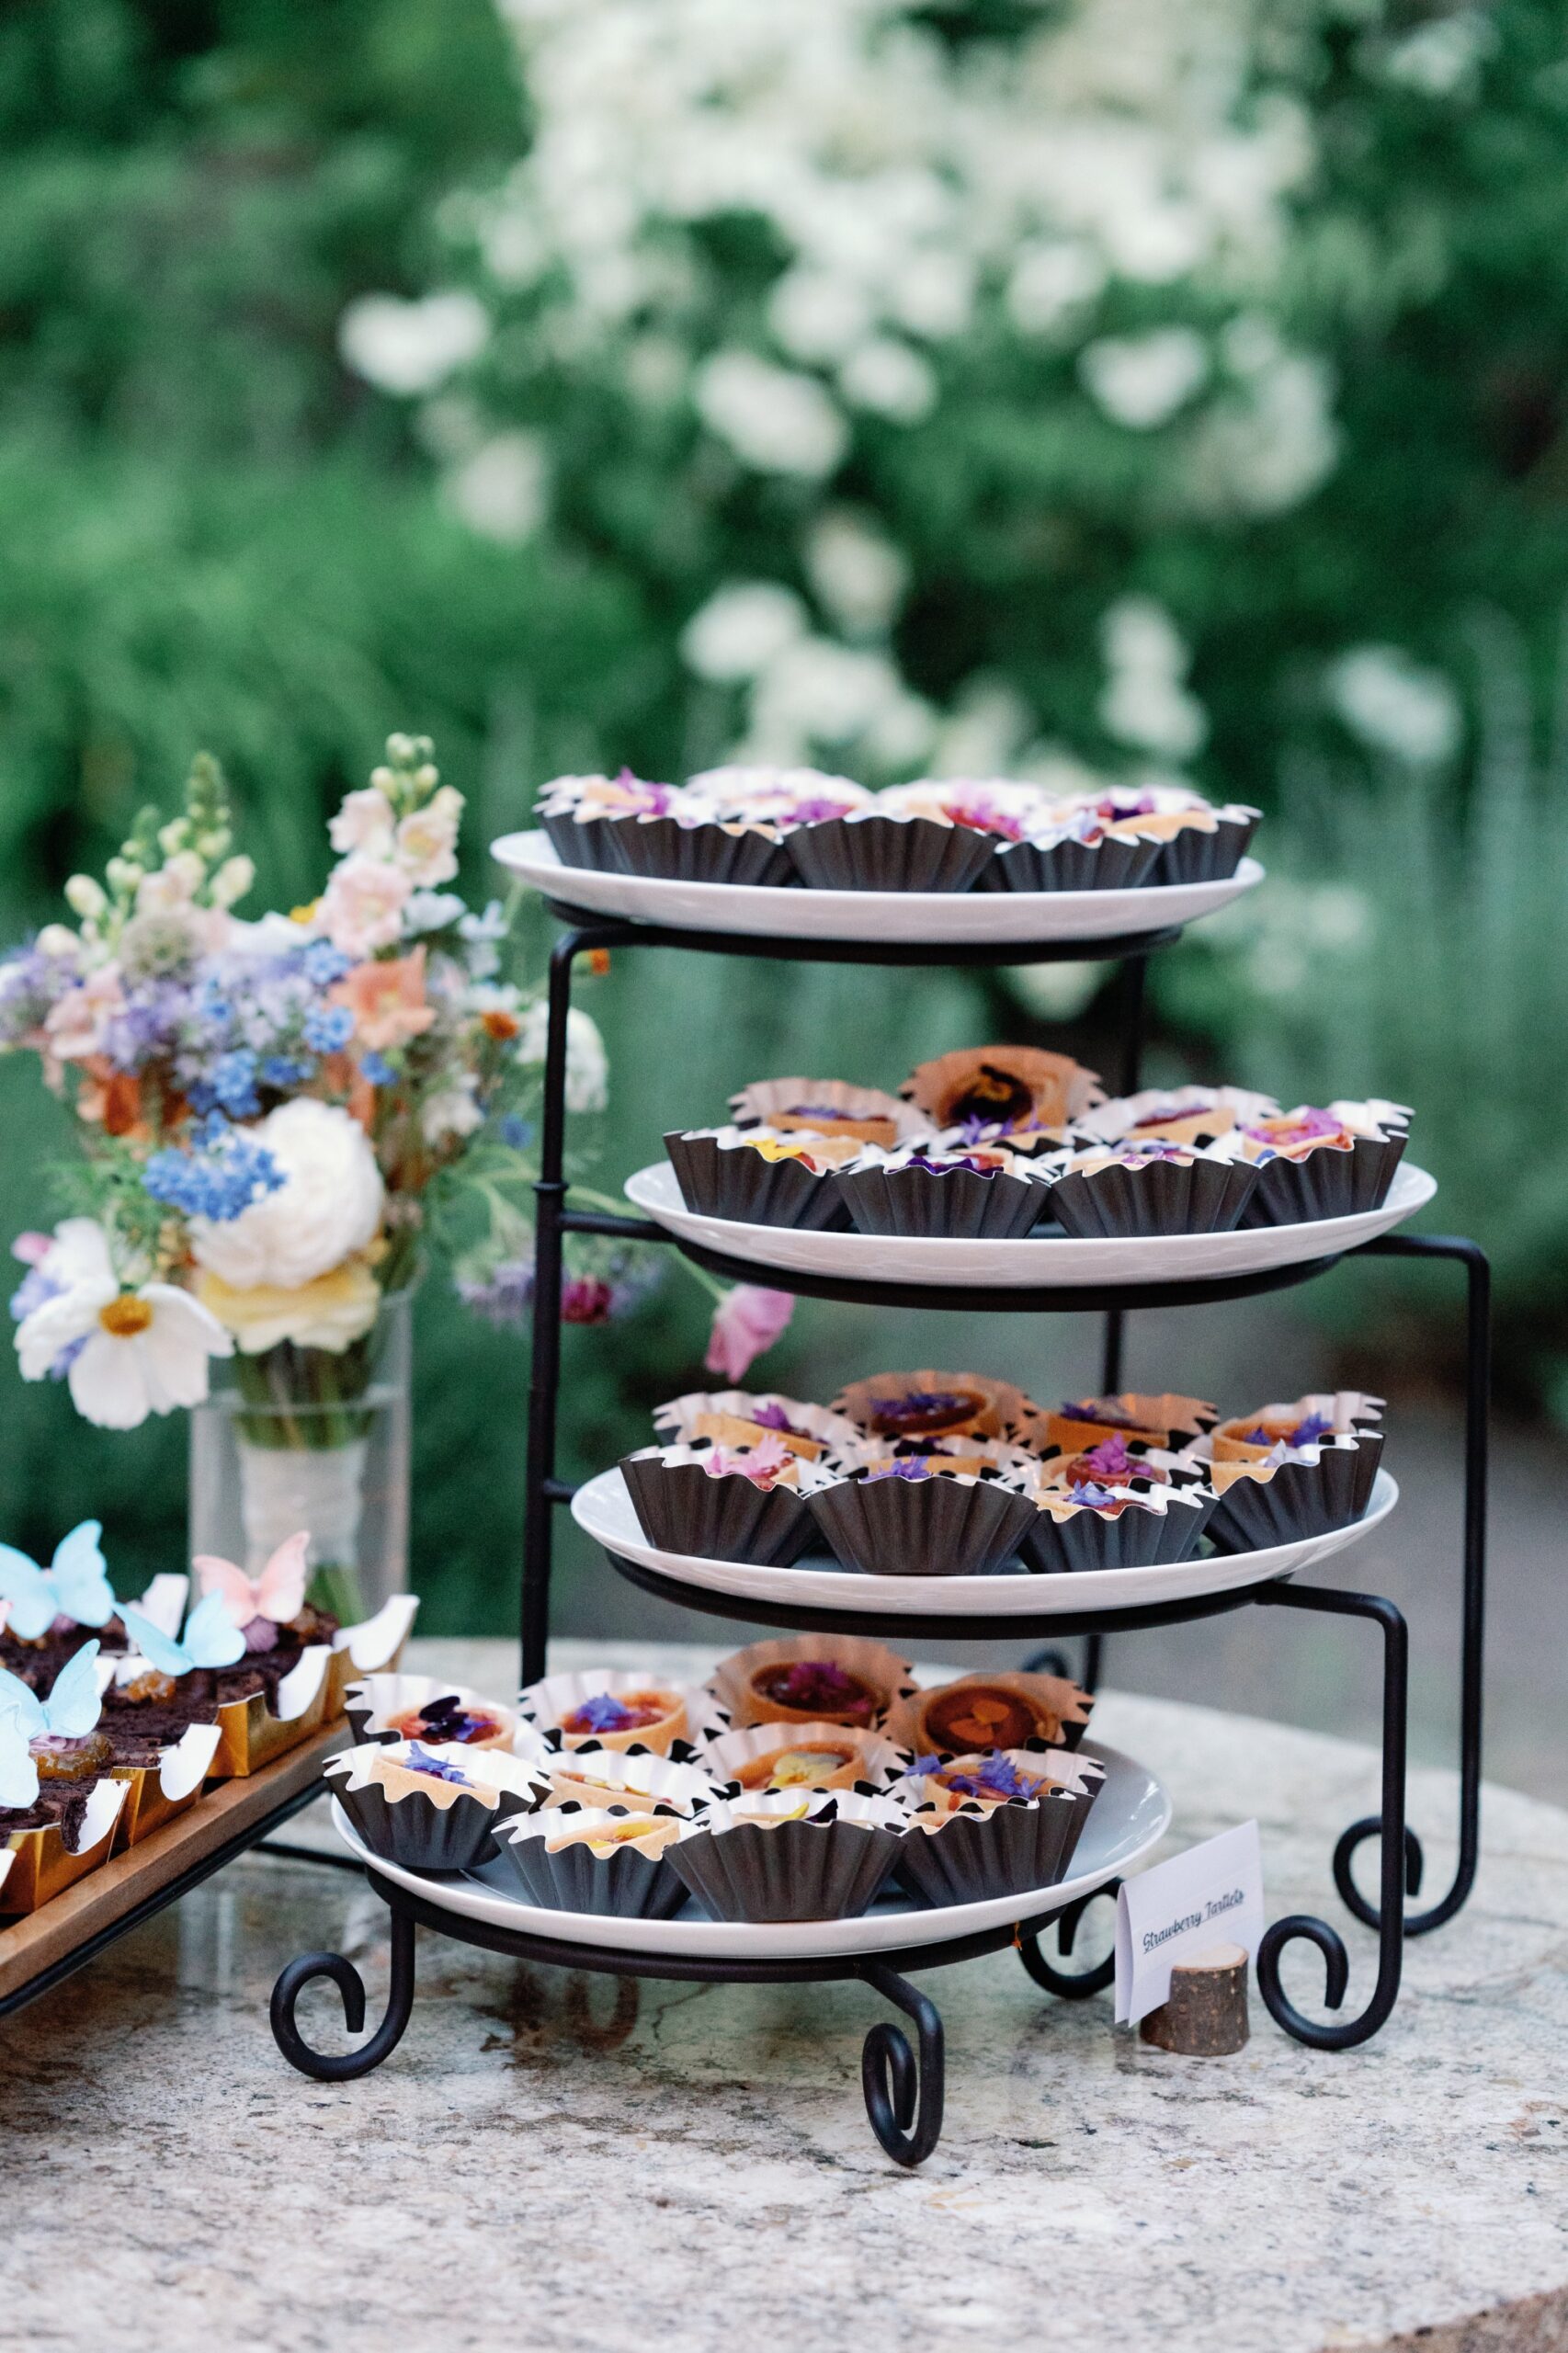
(1129, 1816)
(603, 1507)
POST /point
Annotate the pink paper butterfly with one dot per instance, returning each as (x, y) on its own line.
(279, 1593)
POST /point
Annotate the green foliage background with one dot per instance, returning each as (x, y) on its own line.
(211, 534)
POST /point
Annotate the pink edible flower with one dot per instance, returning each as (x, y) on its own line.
(746, 1322)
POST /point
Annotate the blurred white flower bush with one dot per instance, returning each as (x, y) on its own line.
(882, 354)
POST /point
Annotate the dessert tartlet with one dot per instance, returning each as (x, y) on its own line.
(615, 1709)
(800, 1855)
(1020, 1093)
(598, 1778)
(612, 1862)
(978, 1191)
(578, 813)
(738, 1417)
(757, 1176)
(1087, 1526)
(811, 1678)
(431, 1808)
(908, 1408)
(774, 1757)
(1291, 1471)
(1168, 1423)
(720, 1503)
(991, 1825)
(824, 1107)
(975, 1714)
(1330, 1163)
(1184, 1115)
(1143, 1187)
(872, 849)
(423, 1708)
(915, 1517)
(1077, 849)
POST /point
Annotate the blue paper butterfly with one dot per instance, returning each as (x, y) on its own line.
(70, 1711)
(75, 1585)
(211, 1639)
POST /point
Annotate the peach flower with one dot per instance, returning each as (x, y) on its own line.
(387, 1001)
(427, 838)
(362, 907)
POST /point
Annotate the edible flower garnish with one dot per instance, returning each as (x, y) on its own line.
(436, 1768)
(998, 1776)
(906, 1466)
(1305, 1433)
(760, 1464)
(604, 1712)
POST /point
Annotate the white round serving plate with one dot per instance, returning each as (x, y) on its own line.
(1129, 1816)
(935, 918)
(1032, 1261)
(604, 1508)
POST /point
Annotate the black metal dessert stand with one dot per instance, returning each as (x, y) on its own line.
(904, 2093)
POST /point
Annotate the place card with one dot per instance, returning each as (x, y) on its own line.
(1211, 1895)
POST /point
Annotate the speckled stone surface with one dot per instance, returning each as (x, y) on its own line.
(558, 2161)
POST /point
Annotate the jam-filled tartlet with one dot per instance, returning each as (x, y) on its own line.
(976, 1714)
(431, 1808)
(720, 1503)
(1142, 1188)
(607, 1708)
(1021, 1094)
(761, 1176)
(966, 1189)
(612, 1862)
(423, 1708)
(825, 1106)
(992, 1824)
(1085, 1526)
(791, 1854)
(772, 1758)
(811, 1678)
(881, 847)
(902, 1409)
(1165, 1424)
(736, 1417)
(577, 813)
(1289, 1471)
(923, 1516)
(1317, 1163)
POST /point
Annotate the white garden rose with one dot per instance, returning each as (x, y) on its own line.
(328, 1206)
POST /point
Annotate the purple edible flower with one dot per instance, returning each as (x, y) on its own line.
(943, 1167)
(819, 812)
(1110, 1461)
(604, 1712)
(926, 1764)
(439, 1769)
(998, 1776)
(918, 1404)
(772, 1417)
(1093, 1496)
(907, 1466)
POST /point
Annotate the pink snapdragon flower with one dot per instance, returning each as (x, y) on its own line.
(746, 1323)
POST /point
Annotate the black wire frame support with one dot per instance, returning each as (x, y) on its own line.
(553, 1220)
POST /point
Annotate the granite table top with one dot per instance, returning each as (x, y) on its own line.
(570, 2162)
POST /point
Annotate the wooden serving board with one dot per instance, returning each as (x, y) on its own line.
(35, 1943)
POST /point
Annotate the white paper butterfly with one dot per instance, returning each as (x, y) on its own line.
(279, 1593)
(211, 1639)
(70, 1711)
(74, 1585)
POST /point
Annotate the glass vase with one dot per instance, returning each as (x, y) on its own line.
(314, 1438)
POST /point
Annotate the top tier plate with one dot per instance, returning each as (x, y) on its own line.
(932, 919)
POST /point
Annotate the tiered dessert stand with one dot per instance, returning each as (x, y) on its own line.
(903, 2090)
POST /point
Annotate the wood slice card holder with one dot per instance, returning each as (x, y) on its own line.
(903, 2083)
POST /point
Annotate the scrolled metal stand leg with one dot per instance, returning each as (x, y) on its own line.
(1478, 1392)
(339, 2067)
(1072, 1985)
(903, 2094)
(1323, 2036)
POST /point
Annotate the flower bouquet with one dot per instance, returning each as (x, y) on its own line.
(281, 1120)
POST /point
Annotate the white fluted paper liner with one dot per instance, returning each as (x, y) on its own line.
(544, 1705)
(1345, 1410)
(741, 791)
(874, 1760)
(766, 1809)
(599, 1778)
(678, 1417)
(887, 1676)
(800, 1477)
(375, 1702)
(1010, 809)
(487, 1769)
